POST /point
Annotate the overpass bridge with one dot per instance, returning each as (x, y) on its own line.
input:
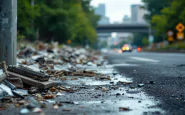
(129, 28)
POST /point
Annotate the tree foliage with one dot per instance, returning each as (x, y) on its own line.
(138, 39)
(170, 16)
(156, 8)
(58, 20)
(26, 14)
(165, 15)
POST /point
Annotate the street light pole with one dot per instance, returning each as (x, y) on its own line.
(8, 31)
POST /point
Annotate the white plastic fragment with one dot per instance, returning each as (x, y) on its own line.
(24, 111)
(37, 110)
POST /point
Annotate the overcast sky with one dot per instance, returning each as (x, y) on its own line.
(116, 9)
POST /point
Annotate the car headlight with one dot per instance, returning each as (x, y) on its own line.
(123, 48)
(127, 48)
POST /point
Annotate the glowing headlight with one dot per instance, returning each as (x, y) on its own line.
(123, 48)
(127, 48)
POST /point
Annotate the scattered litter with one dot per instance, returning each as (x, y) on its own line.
(55, 106)
(74, 78)
(37, 110)
(21, 92)
(45, 72)
(141, 85)
(2, 108)
(104, 89)
(76, 103)
(124, 83)
(32, 103)
(33, 90)
(59, 94)
(151, 82)
(124, 109)
(48, 96)
(24, 111)
(132, 87)
(50, 101)
(53, 89)
(22, 102)
(5, 91)
(118, 94)
(2, 75)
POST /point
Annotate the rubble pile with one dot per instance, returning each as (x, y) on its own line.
(40, 73)
(48, 61)
(49, 79)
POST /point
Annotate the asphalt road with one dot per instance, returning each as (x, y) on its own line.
(163, 92)
(94, 96)
(166, 70)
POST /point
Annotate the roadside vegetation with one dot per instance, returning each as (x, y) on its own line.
(175, 46)
(163, 16)
(57, 20)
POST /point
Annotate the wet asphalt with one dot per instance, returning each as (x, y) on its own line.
(89, 99)
(118, 96)
(163, 76)
(141, 84)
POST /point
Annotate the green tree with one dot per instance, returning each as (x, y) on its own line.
(169, 17)
(154, 8)
(26, 14)
(90, 13)
(58, 20)
(138, 39)
(145, 42)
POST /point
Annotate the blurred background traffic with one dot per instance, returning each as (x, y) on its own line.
(107, 25)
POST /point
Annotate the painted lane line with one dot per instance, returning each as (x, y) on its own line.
(124, 65)
(144, 59)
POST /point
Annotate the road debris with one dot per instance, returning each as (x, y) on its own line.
(24, 111)
(37, 110)
(104, 89)
(151, 82)
(124, 109)
(53, 78)
(124, 83)
(141, 85)
(55, 106)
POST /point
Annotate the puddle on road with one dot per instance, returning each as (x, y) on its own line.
(93, 81)
(122, 78)
(137, 105)
(108, 70)
(87, 81)
(103, 70)
(135, 99)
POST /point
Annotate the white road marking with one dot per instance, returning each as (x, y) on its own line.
(124, 65)
(145, 59)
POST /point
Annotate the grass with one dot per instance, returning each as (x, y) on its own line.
(175, 46)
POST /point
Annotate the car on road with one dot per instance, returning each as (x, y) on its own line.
(126, 48)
